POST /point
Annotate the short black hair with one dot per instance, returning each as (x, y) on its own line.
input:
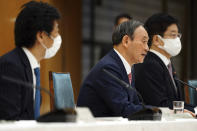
(126, 28)
(123, 15)
(157, 24)
(34, 17)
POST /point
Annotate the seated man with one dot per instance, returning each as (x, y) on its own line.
(36, 38)
(104, 95)
(155, 77)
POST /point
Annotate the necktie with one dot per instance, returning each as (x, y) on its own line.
(130, 77)
(37, 94)
(171, 75)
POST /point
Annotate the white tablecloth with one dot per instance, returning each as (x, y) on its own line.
(115, 124)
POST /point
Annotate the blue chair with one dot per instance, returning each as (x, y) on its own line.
(192, 92)
(61, 88)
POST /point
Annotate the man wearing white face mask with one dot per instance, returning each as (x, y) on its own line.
(36, 38)
(155, 77)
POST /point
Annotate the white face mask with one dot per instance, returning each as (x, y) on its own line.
(171, 46)
(50, 52)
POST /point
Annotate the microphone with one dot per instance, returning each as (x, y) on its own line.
(184, 83)
(20, 82)
(58, 115)
(125, 85)
(153, 113)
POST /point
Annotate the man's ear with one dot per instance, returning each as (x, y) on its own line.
(157, 41)
(39, 36)
(125, 40)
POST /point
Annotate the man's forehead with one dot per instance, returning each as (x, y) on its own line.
(172, 28)
(140, 31)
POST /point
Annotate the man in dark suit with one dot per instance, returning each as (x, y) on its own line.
(36, 38)
(155, 77)
(100, 92)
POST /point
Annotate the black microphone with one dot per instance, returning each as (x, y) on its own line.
(153, 113)
(184, 83)
(125, 85)
(58, 115)
(26, 84)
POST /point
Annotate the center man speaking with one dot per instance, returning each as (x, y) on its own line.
(101, 93)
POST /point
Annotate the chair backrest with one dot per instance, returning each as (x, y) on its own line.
(61, 88)
(192, 92)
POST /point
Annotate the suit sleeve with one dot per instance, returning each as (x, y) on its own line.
(150, 82)
(10, 93)
(119, 99)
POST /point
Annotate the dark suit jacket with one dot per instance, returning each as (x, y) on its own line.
(16, 101)
(104, 95)
(153, 81)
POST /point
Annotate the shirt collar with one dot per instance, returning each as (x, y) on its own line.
(33, 61)
(125, 63)
(165, 60)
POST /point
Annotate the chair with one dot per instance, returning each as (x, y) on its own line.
(192, 92)
(61, 88)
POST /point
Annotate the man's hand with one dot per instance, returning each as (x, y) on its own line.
(187, 111)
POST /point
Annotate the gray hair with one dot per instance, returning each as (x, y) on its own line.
(126, 28)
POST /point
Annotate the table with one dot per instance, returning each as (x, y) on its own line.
(103, 124)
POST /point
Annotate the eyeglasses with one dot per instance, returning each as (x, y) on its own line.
(174, 35)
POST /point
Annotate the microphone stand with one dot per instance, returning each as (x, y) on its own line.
(26, 84)
(184, 83)
(153, 113)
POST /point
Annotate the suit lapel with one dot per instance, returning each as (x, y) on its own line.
(25, 61)
(115, 56)
(155, 57)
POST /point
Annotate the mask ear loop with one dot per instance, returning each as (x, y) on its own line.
(161, 47)
(159, 37)
(44, 44)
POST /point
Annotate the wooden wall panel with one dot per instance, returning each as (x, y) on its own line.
(8, 12)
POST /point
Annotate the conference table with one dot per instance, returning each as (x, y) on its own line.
(103, 124)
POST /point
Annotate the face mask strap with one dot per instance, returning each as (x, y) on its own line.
(43, 45)
(50, 37)
(160, 37)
